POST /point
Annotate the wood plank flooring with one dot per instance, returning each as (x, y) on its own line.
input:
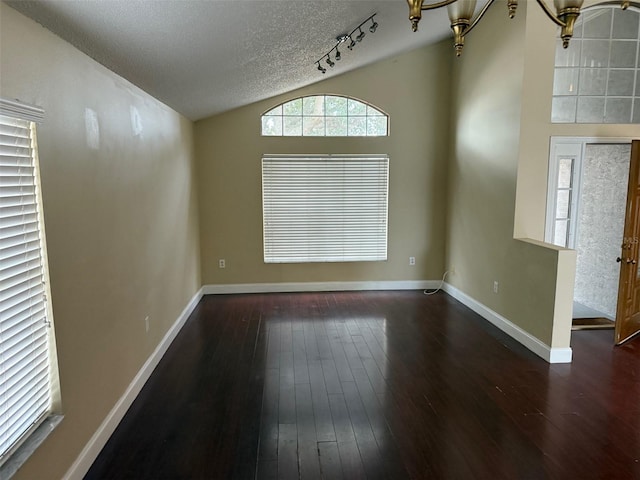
(376, 385)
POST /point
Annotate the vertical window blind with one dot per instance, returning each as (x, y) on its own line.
(325, 208)
(25, 397)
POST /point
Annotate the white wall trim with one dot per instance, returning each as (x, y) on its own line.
(90, 452)
(319, 286)
(550, 354)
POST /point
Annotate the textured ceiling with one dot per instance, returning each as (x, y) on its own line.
(203, 57)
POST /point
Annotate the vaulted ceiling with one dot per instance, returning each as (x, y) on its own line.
(203, 57)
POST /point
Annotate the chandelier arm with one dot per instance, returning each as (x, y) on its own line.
(479, 16)
(433, 6)
(550, 14)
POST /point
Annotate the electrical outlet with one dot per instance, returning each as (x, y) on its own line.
(222, 263)
(496, 286)
(146, 323)
(412, 260)
(452, 270)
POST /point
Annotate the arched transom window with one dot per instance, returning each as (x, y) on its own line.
(325, 116)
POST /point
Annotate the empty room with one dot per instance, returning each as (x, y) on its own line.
(319, 239)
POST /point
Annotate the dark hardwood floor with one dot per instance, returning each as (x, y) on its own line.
(375, 385)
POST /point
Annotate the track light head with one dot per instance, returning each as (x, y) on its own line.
(350, 41)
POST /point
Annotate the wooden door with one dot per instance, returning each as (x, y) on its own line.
(628, 314)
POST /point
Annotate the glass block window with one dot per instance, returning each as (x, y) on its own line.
(597, 79)
(325, 116)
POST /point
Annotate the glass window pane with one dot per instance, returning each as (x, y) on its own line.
(621, 83)
(271, 126)
(376, 126)
(313, 105)
(590, 110)
(336, 106)
(570, 56)
(563, 109)
(372, 112)
(595, 53)
(564, 172)
(596, 23)
(275, 111)
(562, 203)
(623, 54)
(313, 126)
(337, 126)
(593, 81)
(292, 126)
(625, 24)
(565, 81)
(294, 107)
(357, 126)
(356, 108)
(560, 232)
(618, 110)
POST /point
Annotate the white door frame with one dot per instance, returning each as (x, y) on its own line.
(574, 148)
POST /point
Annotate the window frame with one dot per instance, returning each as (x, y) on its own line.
(364, 237)
(32, 436)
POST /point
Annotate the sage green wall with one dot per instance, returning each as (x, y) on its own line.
(121, 224)
(413, 89)
(486, 143)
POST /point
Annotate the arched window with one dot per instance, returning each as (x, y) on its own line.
(597, 79)
(325, 116)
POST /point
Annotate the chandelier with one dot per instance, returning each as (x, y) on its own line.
(462, 21)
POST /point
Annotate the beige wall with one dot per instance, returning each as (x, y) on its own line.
(413, 89)
(121, 222)
(489, 98)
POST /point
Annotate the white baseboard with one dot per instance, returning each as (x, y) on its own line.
(319, 286)
(90, 452)
(551, 355)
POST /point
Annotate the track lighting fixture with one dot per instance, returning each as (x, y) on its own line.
(349, 40)
(462, 21)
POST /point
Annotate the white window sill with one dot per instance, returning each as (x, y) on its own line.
(22, 454)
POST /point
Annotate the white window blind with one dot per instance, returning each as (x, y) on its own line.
(325, 208)
(25, 397)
